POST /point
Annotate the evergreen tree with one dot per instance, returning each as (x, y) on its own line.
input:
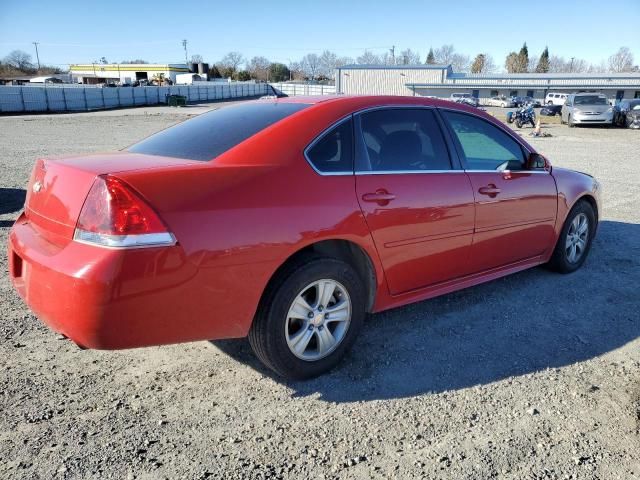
(431, 59)
(543, 63)
(523, 58)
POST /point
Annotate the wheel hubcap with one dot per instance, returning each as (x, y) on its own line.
(577, 236)
(318, 320)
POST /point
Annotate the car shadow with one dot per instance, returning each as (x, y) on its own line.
(11, 199)
(521, 324)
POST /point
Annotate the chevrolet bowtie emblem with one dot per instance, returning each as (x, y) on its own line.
(37, 187)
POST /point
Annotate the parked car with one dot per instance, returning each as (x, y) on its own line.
(455, 97)
(500, 101)
(471, 101)
(551, 110)
(522, 101)
(586, 108)
(553, 98)
(190, 236)
(627, 114)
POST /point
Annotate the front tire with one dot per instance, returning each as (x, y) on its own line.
(570, 122)
(309, 317)
(575, 239)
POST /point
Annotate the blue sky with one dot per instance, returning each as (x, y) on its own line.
(83, 31)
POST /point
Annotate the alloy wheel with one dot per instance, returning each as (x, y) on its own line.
(318, 320)
(577, 238)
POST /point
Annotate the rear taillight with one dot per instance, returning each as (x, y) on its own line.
(113, 215)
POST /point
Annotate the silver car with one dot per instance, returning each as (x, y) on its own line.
(586, 108)
(500, 101)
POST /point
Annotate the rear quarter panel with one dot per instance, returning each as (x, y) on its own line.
(239, 217)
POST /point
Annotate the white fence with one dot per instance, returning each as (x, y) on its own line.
(60, 98)
(293, 89)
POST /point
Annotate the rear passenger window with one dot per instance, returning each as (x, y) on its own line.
(402, 139)
(333, 152)
(485, 147)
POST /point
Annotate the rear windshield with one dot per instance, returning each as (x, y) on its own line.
(590, 100)
(211, 134)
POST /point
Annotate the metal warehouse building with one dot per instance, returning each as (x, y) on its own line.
(442, 81)
(94, 73)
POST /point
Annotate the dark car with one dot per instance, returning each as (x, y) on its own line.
(521, 101)
(551, 110)
(627, 114)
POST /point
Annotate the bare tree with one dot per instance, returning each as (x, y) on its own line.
(368, 58)
(444, 54)
(259, 68)
(311, 65)
(231, 61)
(460, 62)
(328, 64)
(19, 59)
(297, 70)
(196, 58)
(621, 61)
(408, 57)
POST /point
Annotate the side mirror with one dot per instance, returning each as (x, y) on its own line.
(538, 162)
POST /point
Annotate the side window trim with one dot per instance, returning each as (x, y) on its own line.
(463, 159)
(321, 135)
(360, 147)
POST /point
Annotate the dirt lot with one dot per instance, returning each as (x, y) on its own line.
(535, 376)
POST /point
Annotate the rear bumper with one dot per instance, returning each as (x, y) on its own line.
(111, 299)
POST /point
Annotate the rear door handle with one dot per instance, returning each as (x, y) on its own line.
(490, 190)
(381, 197)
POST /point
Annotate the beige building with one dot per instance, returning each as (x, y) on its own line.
(441, 81)
(94, 73)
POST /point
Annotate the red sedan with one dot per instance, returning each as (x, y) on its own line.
(288, 220)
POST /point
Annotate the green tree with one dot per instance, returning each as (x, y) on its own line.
(278, 72)
(242, 76)
(543, 63)
(431, 59)
(524, 58)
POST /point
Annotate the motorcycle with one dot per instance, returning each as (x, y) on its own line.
(523, 115)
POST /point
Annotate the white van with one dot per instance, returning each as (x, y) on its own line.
(553, 98)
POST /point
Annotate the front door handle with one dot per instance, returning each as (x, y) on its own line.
(381, 197)
(490, 190)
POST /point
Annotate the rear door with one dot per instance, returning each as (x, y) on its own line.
(418, 206)
(515, 208)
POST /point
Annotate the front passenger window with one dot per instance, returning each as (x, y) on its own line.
(485, 146)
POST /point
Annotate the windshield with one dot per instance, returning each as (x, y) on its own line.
(590, 100)
(211, 134)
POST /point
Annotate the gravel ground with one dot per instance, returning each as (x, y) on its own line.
(534, 376)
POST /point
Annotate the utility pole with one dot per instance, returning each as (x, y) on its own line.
(571, 67)
(37, 55)
(184, 44)
(393, 54)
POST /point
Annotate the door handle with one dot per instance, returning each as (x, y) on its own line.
(381, 197)
(490, 190)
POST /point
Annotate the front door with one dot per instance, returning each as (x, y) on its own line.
(419, 209)
(515, 208)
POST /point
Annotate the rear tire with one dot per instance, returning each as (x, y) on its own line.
(276, 334)
(570, 122)
(573, 245)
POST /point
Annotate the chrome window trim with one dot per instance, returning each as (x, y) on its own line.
(351, 115)
(318, 138)
(408, 172)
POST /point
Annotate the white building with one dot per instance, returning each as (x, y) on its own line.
(93, 73)
(442, 81)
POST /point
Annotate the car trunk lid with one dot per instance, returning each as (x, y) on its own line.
(58, 187)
